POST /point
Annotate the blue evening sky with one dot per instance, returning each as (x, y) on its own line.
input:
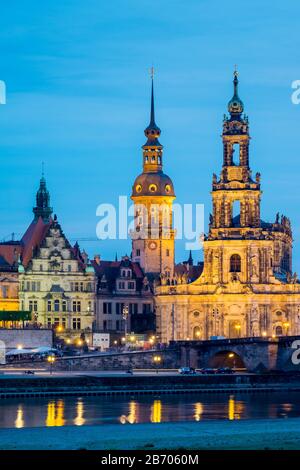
(78, 91)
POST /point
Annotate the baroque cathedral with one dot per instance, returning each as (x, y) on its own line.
(246, 287)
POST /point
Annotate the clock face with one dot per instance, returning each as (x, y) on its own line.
(152, 245)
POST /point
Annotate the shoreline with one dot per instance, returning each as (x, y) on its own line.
(122, 385)
(204, 435)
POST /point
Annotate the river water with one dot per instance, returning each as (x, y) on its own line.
(32, 412)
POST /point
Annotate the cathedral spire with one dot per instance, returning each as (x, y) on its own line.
(42, 208)
(152, 131)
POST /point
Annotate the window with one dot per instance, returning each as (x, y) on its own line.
(109, 324)
(133, 309)
(33, 305)
(152, 188)
(278, 331)
(64, 306)
(76, 306)
(196, 332)
(105, 325)
(131, 285)
(4, 292)
(138, 252)
(56, 305)
(119, 308)
(49, 306)
(107, 307)
(236, 211)
(146, 309)
(118, 325)
(168, 252)
(76, 324)
(235, 264)
(121, 285)
(56, 322)
(41, 267)
(63, 323)
(69, 268)
(49, 323)
(76, 286)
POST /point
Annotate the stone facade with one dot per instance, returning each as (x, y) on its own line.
(123, 287)
(247, 287)
(58, 286)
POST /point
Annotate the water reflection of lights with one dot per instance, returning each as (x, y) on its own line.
(19, 423)
(132, 416)
(235, 408)
(198, 411)
(156, 411)
(55, 413)
(79, 420)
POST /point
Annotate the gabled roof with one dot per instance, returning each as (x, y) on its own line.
(33, 238)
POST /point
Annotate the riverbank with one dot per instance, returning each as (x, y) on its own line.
(204, 435)
(139, 384)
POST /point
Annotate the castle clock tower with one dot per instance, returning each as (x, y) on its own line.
(153, 196)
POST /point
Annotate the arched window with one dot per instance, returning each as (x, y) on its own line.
(235, 264)
(278, 330)
(56, 305)
(196, 332)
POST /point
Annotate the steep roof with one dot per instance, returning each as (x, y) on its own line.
(110, 271)
(33, 237)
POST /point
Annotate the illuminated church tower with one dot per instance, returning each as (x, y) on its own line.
(153, 195)
(247, 287)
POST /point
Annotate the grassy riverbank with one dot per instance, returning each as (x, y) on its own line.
(210, 435)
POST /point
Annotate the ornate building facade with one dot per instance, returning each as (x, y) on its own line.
(56, 281)
(247, 287)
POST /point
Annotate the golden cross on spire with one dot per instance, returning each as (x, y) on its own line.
(235, 70)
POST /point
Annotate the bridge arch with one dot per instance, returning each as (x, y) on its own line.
(227, 358)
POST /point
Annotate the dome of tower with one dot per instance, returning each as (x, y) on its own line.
(153, 184)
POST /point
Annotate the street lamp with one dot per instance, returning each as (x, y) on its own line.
(232, 356)
(157, 361)
(51, 360)
(125, 313)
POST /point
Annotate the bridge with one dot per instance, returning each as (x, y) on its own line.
(252, 354)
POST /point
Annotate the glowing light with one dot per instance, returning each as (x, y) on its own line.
(231, 408)
(20, 346)
(198, 411)
(264, 333)
(79, 420)
(230, 355)
(19, 423)
(156, 411)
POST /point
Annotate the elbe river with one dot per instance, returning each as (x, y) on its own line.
(81, 411)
